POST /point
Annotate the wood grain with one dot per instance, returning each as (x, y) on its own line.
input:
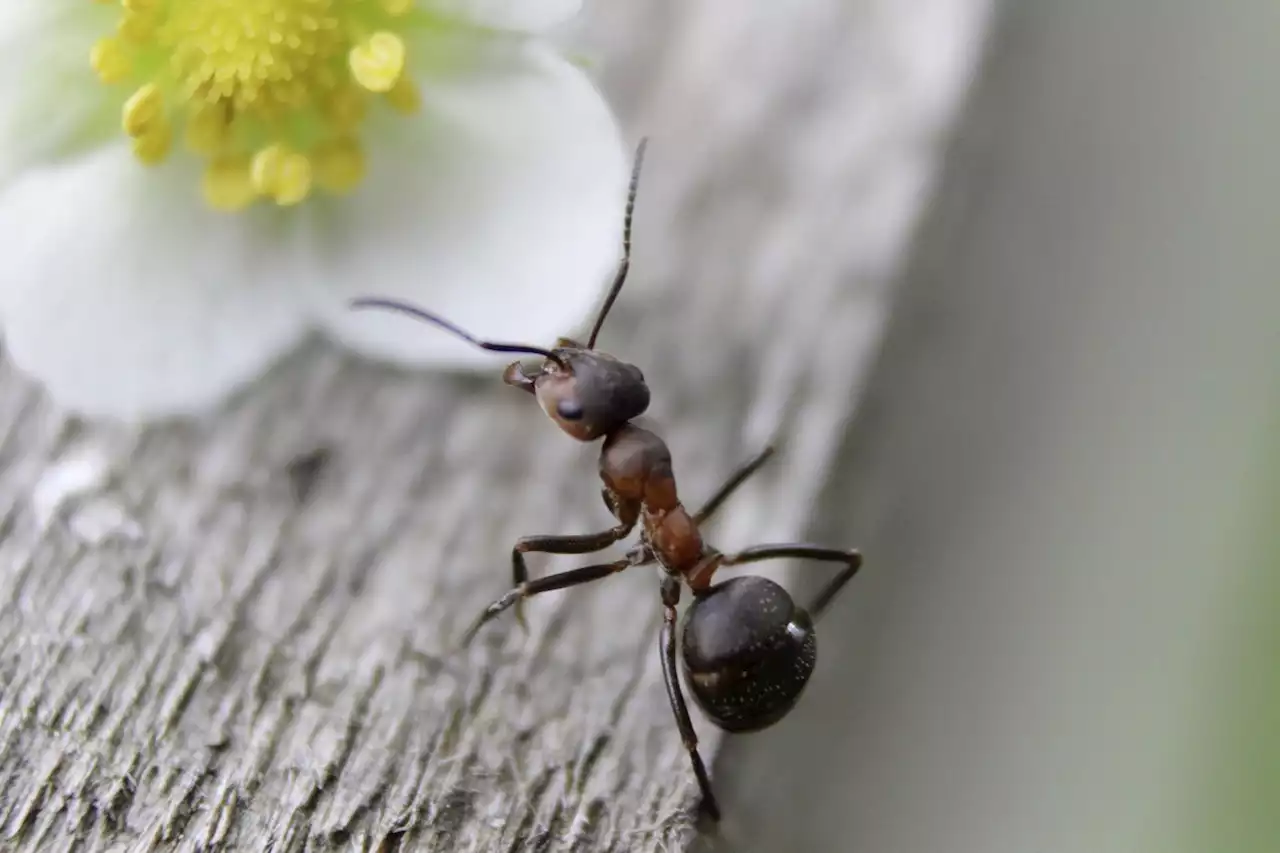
(203, 649)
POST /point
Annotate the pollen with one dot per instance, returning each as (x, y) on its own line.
(378, 62)
(270, 94)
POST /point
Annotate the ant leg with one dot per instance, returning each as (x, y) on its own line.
(737, 478)
(670, 597)
(851, 558)
(560, 580)
(583, 544)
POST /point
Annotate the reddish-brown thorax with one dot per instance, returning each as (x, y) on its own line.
(635, 466)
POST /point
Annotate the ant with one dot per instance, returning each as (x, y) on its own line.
(748, 650)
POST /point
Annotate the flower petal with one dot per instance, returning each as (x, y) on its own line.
(501, 209)
(525, 15)
(49, 96)
(129, 299)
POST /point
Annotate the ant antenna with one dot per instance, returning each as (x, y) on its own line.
(428, 317)
(621, 275)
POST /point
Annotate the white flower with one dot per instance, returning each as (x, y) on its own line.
(188, 187)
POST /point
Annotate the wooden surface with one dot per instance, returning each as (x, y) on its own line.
(196, 654)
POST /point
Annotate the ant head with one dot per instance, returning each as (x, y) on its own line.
(585, 392)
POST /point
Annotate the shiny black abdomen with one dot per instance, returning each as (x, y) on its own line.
(748, 653)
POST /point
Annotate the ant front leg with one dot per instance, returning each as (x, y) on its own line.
(584, 544)
(560, 580)
(851, 558)
(670, 598)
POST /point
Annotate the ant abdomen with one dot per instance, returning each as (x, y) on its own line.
(748, 652)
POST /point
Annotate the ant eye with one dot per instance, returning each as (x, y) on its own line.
(570, 410)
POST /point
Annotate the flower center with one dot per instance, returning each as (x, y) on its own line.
(270, 93)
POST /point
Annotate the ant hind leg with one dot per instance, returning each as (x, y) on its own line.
(851, 558)
(737, 478)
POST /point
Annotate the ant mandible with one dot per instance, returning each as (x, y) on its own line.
(748, 650)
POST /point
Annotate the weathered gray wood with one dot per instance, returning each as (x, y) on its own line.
(194, 658)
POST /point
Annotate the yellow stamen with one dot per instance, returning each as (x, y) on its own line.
(293, 181)
(110, 61)
(152, 146)
(208, 129)
(137, 27)
(265, 168)
(143, 110)
(281, 174)
(227, 184)
(271, 94)
(378, 62)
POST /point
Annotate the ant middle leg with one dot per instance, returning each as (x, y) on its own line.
(559, 580)
(667, 644)
(587, 543)
(851, 558)
(581, 544)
